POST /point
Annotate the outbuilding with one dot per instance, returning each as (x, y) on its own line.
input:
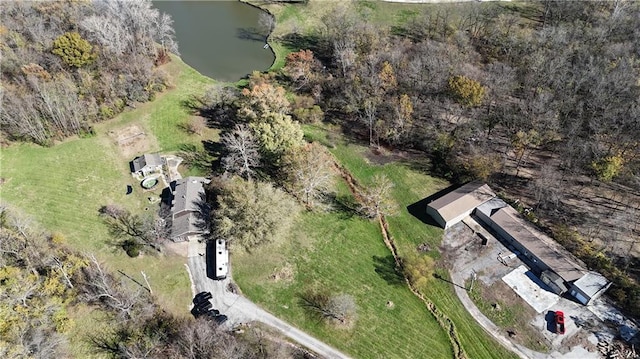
(146, 164)
(589, 287)
(454, 206)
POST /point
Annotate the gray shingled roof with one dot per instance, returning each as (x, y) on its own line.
(151, 160)
(188, 194)
(187, 198)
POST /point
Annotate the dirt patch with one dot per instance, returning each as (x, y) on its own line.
(133, 140)
(179, 248)
(507, 310)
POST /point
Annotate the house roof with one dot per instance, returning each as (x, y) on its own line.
(186, 223)
(148, 159)
(188, 194)
(462, 199)
(537, 243)
(591, 283)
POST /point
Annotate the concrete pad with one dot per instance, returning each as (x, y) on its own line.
(521, 282)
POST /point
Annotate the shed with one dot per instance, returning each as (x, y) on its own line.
(589, 287)
(459, 203)
(146, 164)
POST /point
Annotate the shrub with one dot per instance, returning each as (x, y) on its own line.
(132, 248)
(74, 50)
(467, 92)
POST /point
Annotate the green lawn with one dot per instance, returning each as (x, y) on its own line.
(343, 254)
(346, 254)
(63, 186)
(407, 231)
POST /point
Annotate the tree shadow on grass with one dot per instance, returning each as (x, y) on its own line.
(319, 46)
(345, 206)
(387, 270)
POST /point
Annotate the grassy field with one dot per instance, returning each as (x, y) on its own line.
(63, 186)
(340, 251)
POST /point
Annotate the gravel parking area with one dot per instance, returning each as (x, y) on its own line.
(586, 327)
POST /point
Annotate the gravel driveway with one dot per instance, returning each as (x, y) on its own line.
(241, 310)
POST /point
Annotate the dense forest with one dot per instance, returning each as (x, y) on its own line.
(539, 96)
(66, 64)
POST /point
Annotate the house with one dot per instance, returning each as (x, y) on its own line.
(221, 259)
(456, 205)
(189, 209)
(146, 164)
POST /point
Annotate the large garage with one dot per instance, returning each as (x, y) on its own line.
(459, 203)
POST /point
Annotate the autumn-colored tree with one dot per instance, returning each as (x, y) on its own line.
(261, 100)
(608, 168)
(300, 67)
(250, 214)
(418, 269)
(74, 50)
(277, 134)
(396, 128)
(467, 91)
(387, 77)
(524, 142)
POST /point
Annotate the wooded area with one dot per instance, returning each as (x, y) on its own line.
(67, 64)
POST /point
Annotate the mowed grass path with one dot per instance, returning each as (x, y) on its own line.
(63, 186)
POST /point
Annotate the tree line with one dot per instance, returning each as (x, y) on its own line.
(67, 64)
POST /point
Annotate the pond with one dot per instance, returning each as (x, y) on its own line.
(220, 39)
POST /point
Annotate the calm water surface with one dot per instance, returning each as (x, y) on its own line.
(220, 39)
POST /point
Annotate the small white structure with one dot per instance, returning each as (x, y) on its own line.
(456, 205)
(589, 287)
(146, 164)
(221, 259)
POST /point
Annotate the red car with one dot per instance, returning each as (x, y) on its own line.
(559, 322)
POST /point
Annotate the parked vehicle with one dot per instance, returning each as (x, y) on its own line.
(559, 322)
(220, 319)
(202, 296)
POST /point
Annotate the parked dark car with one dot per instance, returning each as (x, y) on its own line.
(213, 312)
(204, 307)
(559, 322)
(220, 319)
(202, 296)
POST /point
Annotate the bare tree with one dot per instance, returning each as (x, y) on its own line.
(336, 308)
(100, 287)
(310, 172)
(242, 152)
(376, 199)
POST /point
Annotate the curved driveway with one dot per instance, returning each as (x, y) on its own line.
(241, 310)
